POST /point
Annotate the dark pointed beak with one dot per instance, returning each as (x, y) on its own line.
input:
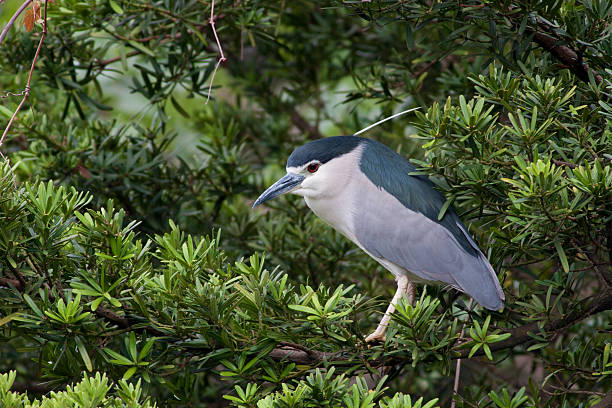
(286, 184)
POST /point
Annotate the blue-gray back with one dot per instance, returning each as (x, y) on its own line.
(391, 172)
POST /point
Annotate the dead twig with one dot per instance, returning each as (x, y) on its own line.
(12, 20)
(564, 164)
(26, 91)
(222, 58)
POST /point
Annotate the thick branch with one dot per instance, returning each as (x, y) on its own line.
(32, 387)
(106, 314)
(567, 56)
(302, 356)
(519, 336)
(8, 282)
(122, 322)
(565, 164)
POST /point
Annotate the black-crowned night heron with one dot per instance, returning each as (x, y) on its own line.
(366, 191)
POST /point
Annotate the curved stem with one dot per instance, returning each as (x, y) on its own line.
(27, 89)
(12, 20)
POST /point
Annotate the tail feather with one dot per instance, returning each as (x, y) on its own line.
(488, 291)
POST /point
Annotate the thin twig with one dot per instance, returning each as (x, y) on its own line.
(27, 89)
(564, 164)
(6, 95)
(458, 366)
(12, 20)
(222, 58)
(102, 63)
(297, 347)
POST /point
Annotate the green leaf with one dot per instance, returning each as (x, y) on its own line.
(32, 305)
(142, 48)
(474, 349)
(487, 351)
(537, 346)
(83, 352)
(305, 309)
(146, 349)
(562, 256)
(95, 303)
(5, 112)
(118, 358)
(336, 336)
(444, 208)
(116, 8)
(129, 373)
(179, 108)
(494, 338)
(8, 318)
(12, 262)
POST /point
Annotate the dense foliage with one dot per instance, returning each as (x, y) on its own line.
(134, 273)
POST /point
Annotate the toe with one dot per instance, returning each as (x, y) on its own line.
(375, 338)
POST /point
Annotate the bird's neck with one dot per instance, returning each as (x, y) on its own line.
(337, 211)
(336, 204)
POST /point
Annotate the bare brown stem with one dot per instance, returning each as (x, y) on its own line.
(222, 58)
(519, 336)
(27, 88)
(12, 20)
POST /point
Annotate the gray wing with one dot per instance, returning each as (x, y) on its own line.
(426, 248)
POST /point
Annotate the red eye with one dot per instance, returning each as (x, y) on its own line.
(313, 167)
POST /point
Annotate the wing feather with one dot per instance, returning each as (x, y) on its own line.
(424, 248)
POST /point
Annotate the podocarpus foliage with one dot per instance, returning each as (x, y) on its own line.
(133, 272)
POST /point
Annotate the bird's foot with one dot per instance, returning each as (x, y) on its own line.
(377, 337)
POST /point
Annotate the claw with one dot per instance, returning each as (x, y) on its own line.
(376, 337)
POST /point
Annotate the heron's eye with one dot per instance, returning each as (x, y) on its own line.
(313, 167)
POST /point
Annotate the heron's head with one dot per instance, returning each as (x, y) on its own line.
(318, 169)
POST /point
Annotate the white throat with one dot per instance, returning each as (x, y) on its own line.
(336, 202)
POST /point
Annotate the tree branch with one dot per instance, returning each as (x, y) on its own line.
(569, 57)
(123, 322)
(222, 57)
(13, 282)
(606, 402)
(302, 355)
(12, 20)
(27, 89)
(106, 314)
(33, 387)
(519, 336)
(565, 164)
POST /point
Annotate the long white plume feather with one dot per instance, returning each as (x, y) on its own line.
(385, 119)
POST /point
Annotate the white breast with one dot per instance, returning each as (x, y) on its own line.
(336, 205)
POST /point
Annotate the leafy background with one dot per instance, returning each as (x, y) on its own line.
(132, 265)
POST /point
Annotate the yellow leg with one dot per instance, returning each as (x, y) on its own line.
(403, 286)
